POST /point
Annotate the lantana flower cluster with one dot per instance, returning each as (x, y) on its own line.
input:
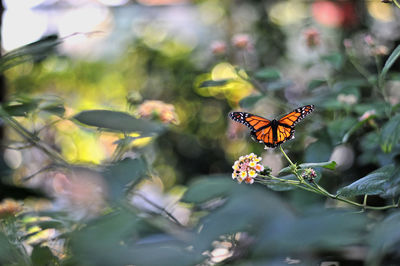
(247, 168)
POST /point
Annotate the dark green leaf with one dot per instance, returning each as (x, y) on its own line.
(117, 121)
(43, 256)
(214, 83)
(245, 210)
(268, 74)
(54, 108)
(338, 128)
(355, 127)
(10, 254)
(384, 239)
(318, 151)
(119, 175)
(204, 190)
(389, 62)
(331, 165)
(330, 230)
(278, 85)
(371, 184)
(250, 101)
(33, 51)
(390, 134)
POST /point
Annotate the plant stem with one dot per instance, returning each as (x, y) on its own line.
(320, 190)
(396, 3)
(29, 137)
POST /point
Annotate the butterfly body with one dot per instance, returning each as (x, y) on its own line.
(272, 132)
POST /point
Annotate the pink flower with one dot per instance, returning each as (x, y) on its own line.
(158, 110)
(242, 41)
(218, 47)
(313, 37)
(247, 168)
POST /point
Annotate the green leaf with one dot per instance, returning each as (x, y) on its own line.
(213, 83)
(119, 175)
(43, 256)
(355, 128)
(268, 74)
(339, 127)
(318, 151)
(250, 101)
(117, 121)
(206, 189)
(33, 51)
(390, 134)
(331, 230)
(331, 165)
(247, 208)
(278, 85)
(389, 62)
(384, 239)
(21, 107)
(371, 184)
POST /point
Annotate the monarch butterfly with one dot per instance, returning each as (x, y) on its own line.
(272, 132)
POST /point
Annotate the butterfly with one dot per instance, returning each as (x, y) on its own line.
(272, 132)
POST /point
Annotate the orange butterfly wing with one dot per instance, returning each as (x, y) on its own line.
(295, 116)
(254, 122)
(272, 133)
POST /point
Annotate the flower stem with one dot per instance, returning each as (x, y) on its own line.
(322, 191)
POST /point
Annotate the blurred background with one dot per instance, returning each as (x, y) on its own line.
(187, 64)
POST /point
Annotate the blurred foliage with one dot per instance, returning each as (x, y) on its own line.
(97, 177)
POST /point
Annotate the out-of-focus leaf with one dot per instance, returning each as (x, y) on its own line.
(213, 83)
(53, 108)
(100, 242)
(117, 121)
(123, 238)
(203, 190)
(244, 211)
(371, 184)
(335, 59)
(250, 101)
(21, 109)
(384, 239)
(355, 127)
(119, 175)
(9, 253)
(330, 230)
(170, 253)
(315, 83)
(43, 256)
(390, 134)
(338, 128)
(278, 85)
(318, 151)
(389, 62)
(268, 74)
(33, 51)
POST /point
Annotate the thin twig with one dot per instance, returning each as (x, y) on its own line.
(162, 209)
